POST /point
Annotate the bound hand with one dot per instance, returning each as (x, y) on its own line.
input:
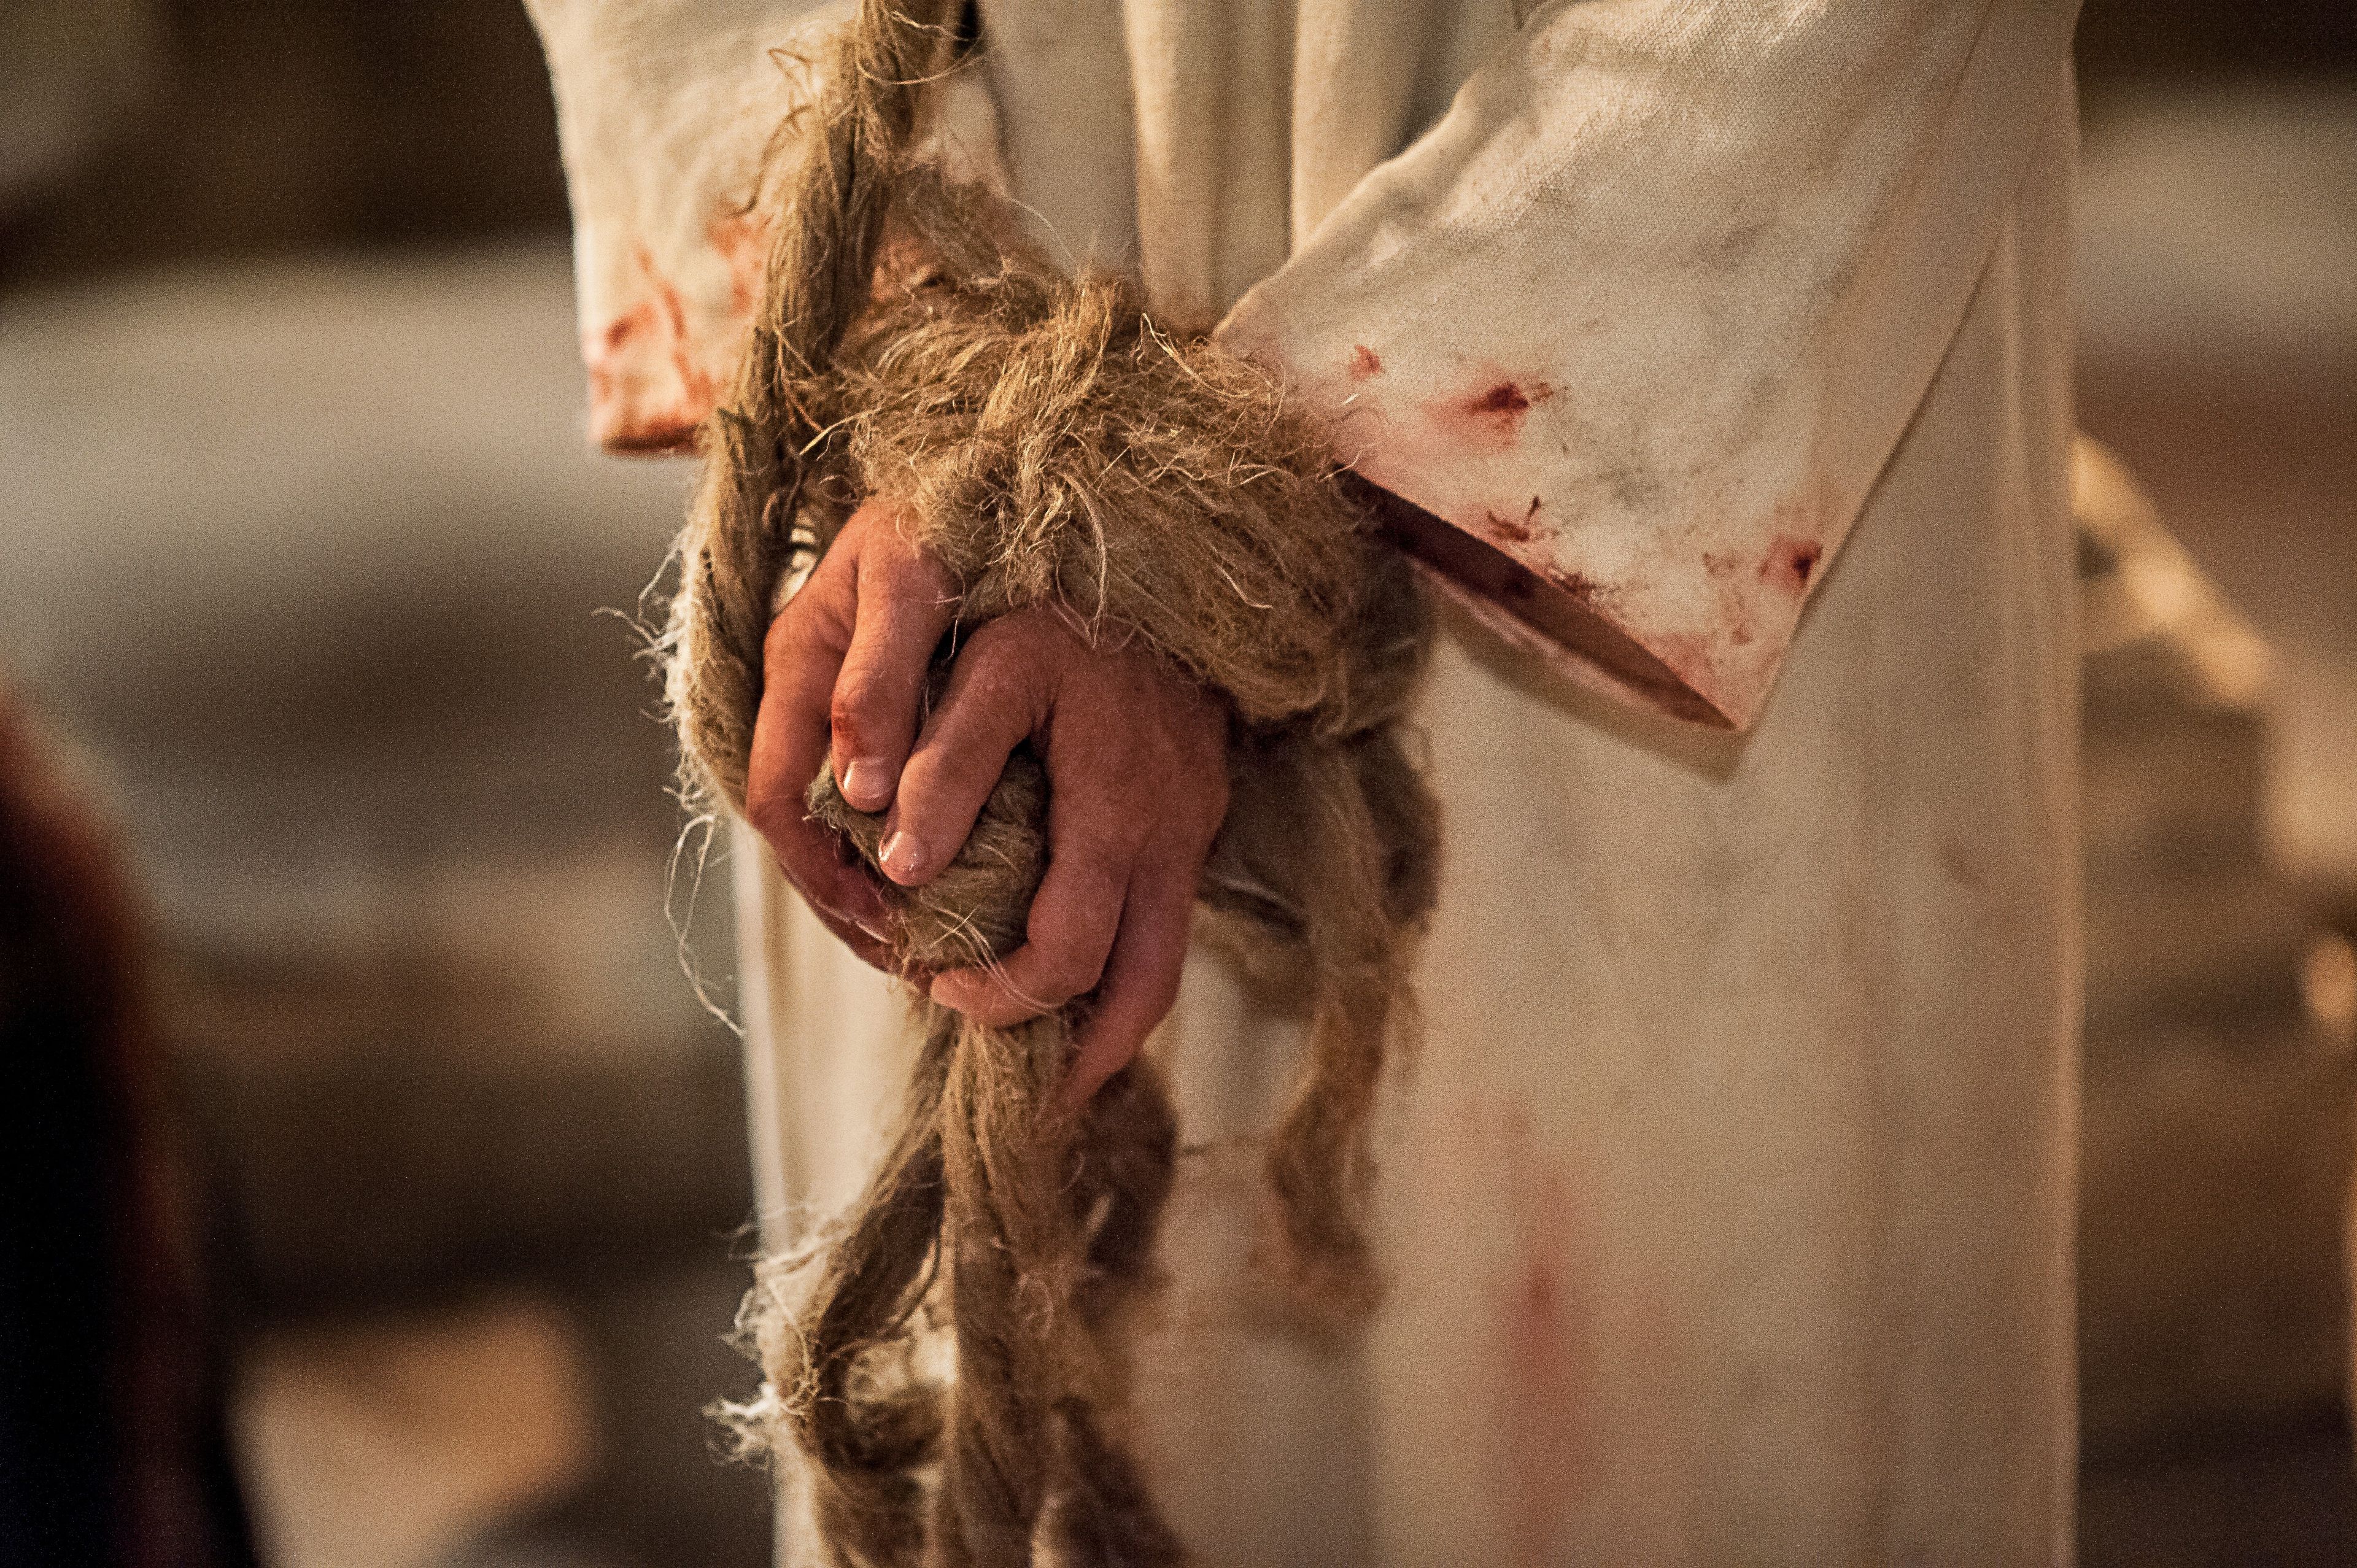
(1137, 769)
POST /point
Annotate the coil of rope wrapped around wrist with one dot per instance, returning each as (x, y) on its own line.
(1052, 446)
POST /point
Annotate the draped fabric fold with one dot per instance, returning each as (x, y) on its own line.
(1635, 321)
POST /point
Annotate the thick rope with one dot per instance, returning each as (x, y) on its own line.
(1044, 440)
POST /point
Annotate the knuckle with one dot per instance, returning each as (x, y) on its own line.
(876, 525)
(995, 646)
(789, 630)
(853, 706)
(871, 717)
(812, 623)
(999, 676)
(1026, 639)
(910, 569)
(941, 587)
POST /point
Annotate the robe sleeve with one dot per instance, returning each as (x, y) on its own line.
(663, 113)
(1636, 324)
(666, 111)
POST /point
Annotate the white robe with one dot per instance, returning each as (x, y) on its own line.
(1725, 1206)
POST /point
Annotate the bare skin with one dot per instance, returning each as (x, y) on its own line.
(1136, 770)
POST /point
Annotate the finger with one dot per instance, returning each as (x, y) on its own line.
(842, 893)
(906, 601)
(998, 694)
(1141, 981)
(1073, 919)
(800, 656)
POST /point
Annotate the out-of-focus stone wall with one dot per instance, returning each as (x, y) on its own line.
(190, 131)
(2217, 1117)
(313, 558)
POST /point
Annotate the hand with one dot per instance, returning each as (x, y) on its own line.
(1136, 756)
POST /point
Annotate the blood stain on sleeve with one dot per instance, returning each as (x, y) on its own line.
(629, 325)
(696, 384)
(1792, 563)
(635, 405)
(1733, 593)
(1364, 363)
(604, 371)
(741, 241)
(1578, 584)
(1688, 655)
(1489, 418)
(1513, 530)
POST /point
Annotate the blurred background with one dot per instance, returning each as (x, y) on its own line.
(348, 817)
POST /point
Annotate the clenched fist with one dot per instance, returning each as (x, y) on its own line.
(1136, 763)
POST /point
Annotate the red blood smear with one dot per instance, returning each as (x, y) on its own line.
(1489, 420)
(740, 237)
(1791, 563)
(1547, 1376)
(1508, 531)
(634, 407)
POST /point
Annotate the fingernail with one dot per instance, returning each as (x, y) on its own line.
(867, 783)
(900, 855)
